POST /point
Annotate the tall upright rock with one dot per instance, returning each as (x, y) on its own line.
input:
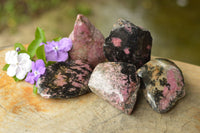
(87, 42)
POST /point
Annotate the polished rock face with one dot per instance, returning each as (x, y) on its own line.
(128, 43)
(65, 80)
(87, 42)
(163, 84)
(117, 83)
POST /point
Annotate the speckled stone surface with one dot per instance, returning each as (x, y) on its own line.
(163, 84)
(128, 43)
(117, 83)
(65, 80)
(87, 42)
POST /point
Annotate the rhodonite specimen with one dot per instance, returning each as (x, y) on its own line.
(117, 83)
(128, 43)
(164, 84)
(65, 80)
(87, 42)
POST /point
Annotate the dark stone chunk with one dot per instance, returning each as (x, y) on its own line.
(168, 84)
(65, 80)
(128, 43)
(117, 83)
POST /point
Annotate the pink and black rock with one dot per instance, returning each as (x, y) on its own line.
(128, 43)
(65, 80)
(117, 83)
(87, 42)
(163, 84)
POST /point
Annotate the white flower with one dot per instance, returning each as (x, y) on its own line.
(20, 64)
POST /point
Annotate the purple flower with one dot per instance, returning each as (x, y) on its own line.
(38, 68)
(58, 51)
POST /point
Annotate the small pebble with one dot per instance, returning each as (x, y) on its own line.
(65, 80)
(163, 84)
(117, 83)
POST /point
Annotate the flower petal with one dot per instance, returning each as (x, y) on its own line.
(37, 77)
(65, 44)
(62, 56)
(39, 63)
(28, 66)
(24, 62)
(33, 66)
(41, 70)
(11, 57)
(42, 43)
(51, 56)
(30, 78)
(48, 48)
(21, 73)
(23, 55)
(52, 43)
(11, 71)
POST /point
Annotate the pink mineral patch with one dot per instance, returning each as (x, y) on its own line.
(164, 103)
(169, 95)
(72, 89)
(128, 28)
(116, 41)
(148, 47)
(60, 81)
(76, 84)
(126, 51)
(173, 80)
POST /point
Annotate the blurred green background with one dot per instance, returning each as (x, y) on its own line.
(174, 24)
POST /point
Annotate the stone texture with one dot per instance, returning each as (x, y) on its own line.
(128, 43)
(65, 80)
(163, 84)
(117, 83)
(87, 42)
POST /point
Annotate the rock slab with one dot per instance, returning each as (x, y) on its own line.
(87, 42)
(117, 83)
(65, 80)
(128, 43)
(163, 84)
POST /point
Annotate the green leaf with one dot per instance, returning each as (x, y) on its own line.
(39, 37)
(40, 53)
(35, 89)
(33, 47)
(24, 51)
(6, 67)
(16, 79)
(57, 39)
(39, 34)
(20, 46)
(50, 63)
